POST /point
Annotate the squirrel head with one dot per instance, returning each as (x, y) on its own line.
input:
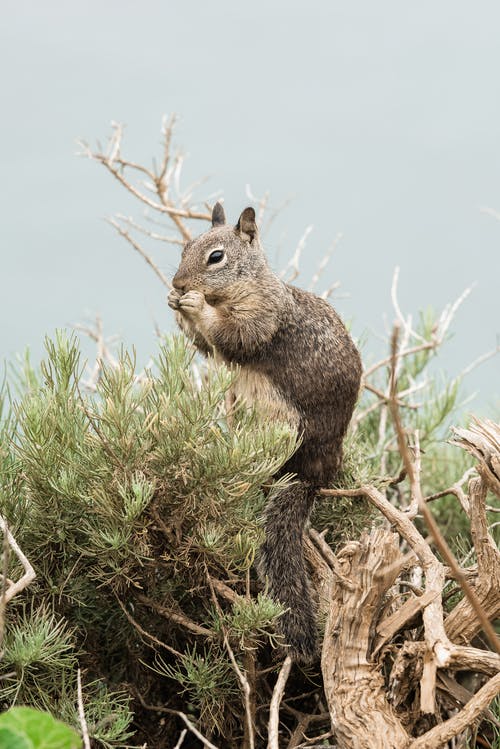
(222, 259)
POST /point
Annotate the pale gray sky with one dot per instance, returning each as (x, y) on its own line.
(380, 119)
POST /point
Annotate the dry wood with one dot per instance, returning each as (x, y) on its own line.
(175, 616)
(274, 710)
(414, 662)
(401, 618)
(436, 737)
(361, 714)
(29, 573)
(81, 712)
(461, 624)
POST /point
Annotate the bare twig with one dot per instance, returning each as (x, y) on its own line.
(274, 710)
(438, 648)
(480, 360)
(151, 234)
(124, 233)
(29, 572)
(193, 729)
(175, 213)
(331, 559)
(175, 616)
(244, 683)
(144, 633)
(456, 490)
(5, 581)
(324, 261)
(293, 263)
(81, 712)
(181, 738)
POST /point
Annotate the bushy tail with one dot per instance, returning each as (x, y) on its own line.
(281, 565)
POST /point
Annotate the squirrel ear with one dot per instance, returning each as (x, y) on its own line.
(246, 224)
(218, 215)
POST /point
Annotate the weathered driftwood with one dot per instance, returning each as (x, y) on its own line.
(375, 621)
(361, 713)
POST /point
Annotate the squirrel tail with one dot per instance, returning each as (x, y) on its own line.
(281, 565)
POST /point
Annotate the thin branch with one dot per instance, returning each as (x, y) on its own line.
(141, 251)
(29, 572)
(175, 213)
(455, 490)
(152, 234)
(144, 633)
(406, 323)
(167, 128)
(81, 712)
(175, 616)
(324, 262)
(435, 574)
(480, 360)
(170, 711)
(261, 203)
(5, 581)
(244, 683)
(181, 738)
(274, 710)
(437, 337)
(386, 398)
(331, 559)
(193, 729)
(412, 467)
(293, 263)
(469, 592)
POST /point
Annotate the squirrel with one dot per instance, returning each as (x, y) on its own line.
(298, 363)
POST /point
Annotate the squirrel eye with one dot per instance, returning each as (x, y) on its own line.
(215, 257)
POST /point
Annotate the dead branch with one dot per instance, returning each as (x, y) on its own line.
(126, 235)
(29, 573)
(324, 262)
(147, 232)
(437, 337)
(412, 467)
(293, 264)
(176, 617)
(455, 489)
(274, 710)
(482, 440)
(461, 623)
(81, 711)
(181, 738)
(434, 570)
(438, 736)
(144, 633)
(473, 612)
(194, 730)
(116, 165)
(245, 687)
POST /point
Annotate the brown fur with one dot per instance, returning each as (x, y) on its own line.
(297, 361)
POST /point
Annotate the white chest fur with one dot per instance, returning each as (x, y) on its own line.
(257, 390)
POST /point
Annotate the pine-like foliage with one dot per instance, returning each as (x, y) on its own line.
(131, 503)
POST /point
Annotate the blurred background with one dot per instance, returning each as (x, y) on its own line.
(379, 121)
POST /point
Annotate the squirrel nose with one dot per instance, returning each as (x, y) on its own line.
(179, 282)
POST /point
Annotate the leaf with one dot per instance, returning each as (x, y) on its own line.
(27, 728)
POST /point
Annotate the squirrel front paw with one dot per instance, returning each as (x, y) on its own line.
(173, 298)
(191, 304)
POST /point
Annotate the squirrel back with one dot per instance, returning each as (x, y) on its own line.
(298, 362)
